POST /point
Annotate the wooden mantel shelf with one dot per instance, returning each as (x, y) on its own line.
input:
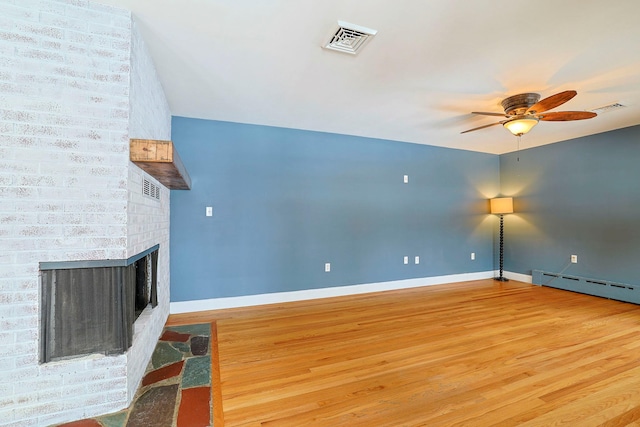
(160, 160)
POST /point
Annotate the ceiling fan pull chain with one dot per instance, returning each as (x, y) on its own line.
(518, 150)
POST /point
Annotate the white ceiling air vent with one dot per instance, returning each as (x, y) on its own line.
(349, 38)
(607, 108)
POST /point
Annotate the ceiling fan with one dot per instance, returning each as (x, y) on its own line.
(523, 111)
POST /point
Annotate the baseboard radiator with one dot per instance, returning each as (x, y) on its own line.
(596, 287)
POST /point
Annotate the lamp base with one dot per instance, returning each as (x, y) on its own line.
(501, 279)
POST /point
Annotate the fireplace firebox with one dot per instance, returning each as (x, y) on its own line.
(90, 306)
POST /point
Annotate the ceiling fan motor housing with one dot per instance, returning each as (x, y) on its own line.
(519, 104)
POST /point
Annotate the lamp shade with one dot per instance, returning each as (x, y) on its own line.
(502, 205)
(521, 126)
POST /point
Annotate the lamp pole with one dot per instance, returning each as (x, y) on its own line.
(500, 206)
(501, 278)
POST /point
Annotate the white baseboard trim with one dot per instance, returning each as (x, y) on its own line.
(516, 276)
(308, 294)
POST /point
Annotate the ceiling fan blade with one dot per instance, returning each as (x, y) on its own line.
(489, 114)
(482, 127)
(551, 102)
(565, 116)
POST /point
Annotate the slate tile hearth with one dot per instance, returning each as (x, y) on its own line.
(176, 388)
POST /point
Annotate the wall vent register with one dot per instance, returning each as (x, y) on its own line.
(149, 189)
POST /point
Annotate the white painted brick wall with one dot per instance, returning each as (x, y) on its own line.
(148, 219)
(150, 117)
(148, 225)
(65, 184)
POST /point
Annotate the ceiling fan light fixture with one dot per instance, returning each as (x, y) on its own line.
(523, 112)
(519, 127)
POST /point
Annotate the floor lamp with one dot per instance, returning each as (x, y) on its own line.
(501, 206)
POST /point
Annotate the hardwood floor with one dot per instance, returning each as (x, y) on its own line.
(478, 353)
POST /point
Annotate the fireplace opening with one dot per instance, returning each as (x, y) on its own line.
(90, 306)
(142, 286)
(145, 272)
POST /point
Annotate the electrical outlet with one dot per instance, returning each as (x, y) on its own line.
(406, 179)
(417, 260)
(209, 211)
(473, 256)
(327, 267)
(574, 259)
(406, 260)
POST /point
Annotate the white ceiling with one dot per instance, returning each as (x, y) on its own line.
(431, 63)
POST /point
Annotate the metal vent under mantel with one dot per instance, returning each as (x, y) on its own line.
(349, 38)
(149, 189)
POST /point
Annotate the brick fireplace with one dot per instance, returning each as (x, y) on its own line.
(77, 84)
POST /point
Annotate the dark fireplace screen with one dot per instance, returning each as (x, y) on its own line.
(91, 306)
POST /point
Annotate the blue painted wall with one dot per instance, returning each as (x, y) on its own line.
(580, 197)
(287, 201)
